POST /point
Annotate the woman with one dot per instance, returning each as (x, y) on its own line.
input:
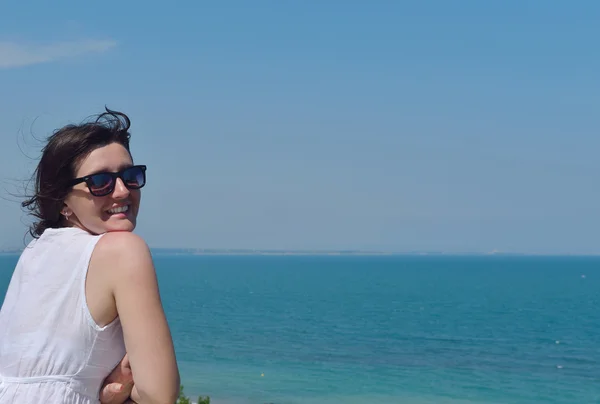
(84, 291)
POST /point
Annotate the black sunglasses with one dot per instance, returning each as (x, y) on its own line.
(102, 184)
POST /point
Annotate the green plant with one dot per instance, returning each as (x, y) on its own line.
(182, 399)
(204, 400)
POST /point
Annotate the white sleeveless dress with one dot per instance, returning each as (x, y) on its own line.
(51, 350)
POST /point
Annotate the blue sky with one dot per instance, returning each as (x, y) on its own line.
(380, 125)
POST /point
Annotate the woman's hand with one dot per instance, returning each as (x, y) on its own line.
(117, 386)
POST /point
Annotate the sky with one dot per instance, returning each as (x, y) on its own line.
(464, 126)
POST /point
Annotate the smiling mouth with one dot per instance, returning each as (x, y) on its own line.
(120, 209)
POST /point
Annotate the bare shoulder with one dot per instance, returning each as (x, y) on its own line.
(122, 250)
(122, 242)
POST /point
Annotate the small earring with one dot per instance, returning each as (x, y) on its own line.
(67, 214)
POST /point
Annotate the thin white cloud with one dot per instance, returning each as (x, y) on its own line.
(14, 54)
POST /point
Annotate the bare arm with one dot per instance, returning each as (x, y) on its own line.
(147, 336)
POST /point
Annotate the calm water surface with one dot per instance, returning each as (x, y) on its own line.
(394, 329)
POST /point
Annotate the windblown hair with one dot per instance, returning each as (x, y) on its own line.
(65, 149)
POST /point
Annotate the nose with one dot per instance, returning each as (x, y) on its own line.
(121, 191)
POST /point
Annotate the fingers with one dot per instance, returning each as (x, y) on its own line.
(110, 392)
(118, 384)
(115, 393)
(125, 367)
(121, 373)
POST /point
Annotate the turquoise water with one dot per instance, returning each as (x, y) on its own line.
(307, 330)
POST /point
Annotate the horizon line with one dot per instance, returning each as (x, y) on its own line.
(275, 251)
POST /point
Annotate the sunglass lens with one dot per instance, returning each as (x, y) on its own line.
(100, 184)
(134, 177)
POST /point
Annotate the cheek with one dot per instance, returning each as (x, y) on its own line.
(89, 208)
(79, 203)
(99, 203)
(136, 196)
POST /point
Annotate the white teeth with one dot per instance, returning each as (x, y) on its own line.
(120, 209)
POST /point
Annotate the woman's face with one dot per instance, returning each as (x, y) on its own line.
(116, 211)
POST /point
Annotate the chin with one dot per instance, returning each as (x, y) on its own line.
(107, 225)
(120, 225)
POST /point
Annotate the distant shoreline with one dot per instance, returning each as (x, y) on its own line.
(216, 252)
(332, 253)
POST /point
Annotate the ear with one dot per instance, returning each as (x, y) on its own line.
(66, 211)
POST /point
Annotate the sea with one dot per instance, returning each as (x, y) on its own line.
(344, 329)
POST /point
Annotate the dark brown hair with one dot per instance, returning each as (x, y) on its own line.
(63, 152)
